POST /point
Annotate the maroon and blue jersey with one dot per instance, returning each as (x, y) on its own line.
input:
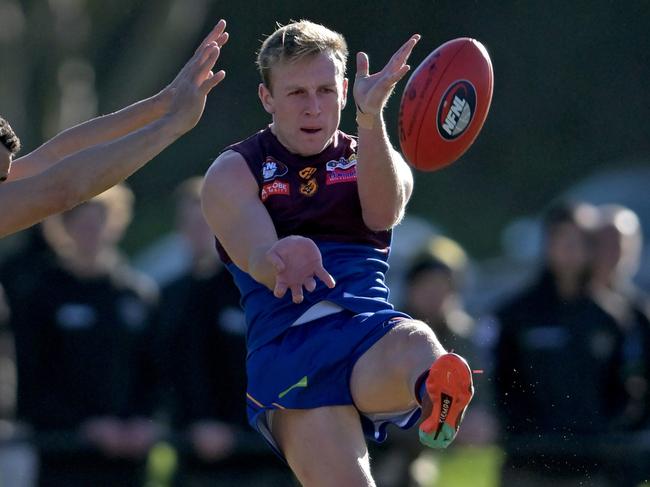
(315, 197)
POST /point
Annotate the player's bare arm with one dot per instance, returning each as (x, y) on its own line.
(233, 209)
(107, 127)
(90, 171)
(384, 179)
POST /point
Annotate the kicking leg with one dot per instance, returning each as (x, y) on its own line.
(324, 447)
(385, 379)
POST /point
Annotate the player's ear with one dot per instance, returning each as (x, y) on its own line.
(344, 93)
(266, 98)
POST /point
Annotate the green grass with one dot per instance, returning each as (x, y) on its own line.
(457, 467)
(469, 467)
(161, 465)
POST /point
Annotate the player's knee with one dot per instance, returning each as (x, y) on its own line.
(414, 345)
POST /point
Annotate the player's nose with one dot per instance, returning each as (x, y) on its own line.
(312, 105)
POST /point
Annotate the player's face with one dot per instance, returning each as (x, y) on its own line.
(305, 100)
(5, 162)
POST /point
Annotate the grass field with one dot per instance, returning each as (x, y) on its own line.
(469, 467)
(457, 467)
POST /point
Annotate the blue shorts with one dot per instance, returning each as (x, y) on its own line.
(310, 365)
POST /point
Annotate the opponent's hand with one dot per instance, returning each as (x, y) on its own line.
(297, 261)
(188, 91)
(371, 91)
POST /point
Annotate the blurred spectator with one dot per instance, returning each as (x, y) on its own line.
(205, 332)
(559, 366)
(433, 281)
(85, 375)
(18, 462)
(618, 244)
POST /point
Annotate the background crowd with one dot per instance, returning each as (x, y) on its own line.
(105, 365)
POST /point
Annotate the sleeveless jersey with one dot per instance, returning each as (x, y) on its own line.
(315, 197)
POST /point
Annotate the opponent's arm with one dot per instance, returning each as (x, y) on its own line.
(109, 127)
(86, 173)
(233, 209)
(384, 179)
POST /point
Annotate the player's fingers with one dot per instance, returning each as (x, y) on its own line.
(363, 64)
(398, 75)
(280, 289)
(214, 34)
(309, 284)
(326, 277)
(212, 81)
(222, 39)
(296, 294)
(195, 64)
(206, 66)
(403, 53)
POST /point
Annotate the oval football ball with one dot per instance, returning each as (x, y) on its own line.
(445, 103)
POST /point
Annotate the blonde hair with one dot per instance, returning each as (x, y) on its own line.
(297, 40)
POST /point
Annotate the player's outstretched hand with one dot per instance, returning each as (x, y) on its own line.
(188, 91)
(297, 262)
(371, 91)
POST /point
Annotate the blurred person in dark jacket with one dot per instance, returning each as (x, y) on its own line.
(558, 366)
(203, 329)
(86, 378)
(618, 244)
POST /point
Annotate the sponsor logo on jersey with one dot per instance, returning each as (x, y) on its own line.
(307, 172)
(341, 163)
(309, 188)
(276, 187)
(342, 170)
(456, 109)
(272, 168)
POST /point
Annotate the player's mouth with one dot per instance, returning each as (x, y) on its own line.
(310, 130)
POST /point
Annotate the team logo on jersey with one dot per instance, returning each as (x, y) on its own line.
(309, 188)
(342, 170)
(456, 109)
(276, 187)
(272, 169)
(307, 172)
